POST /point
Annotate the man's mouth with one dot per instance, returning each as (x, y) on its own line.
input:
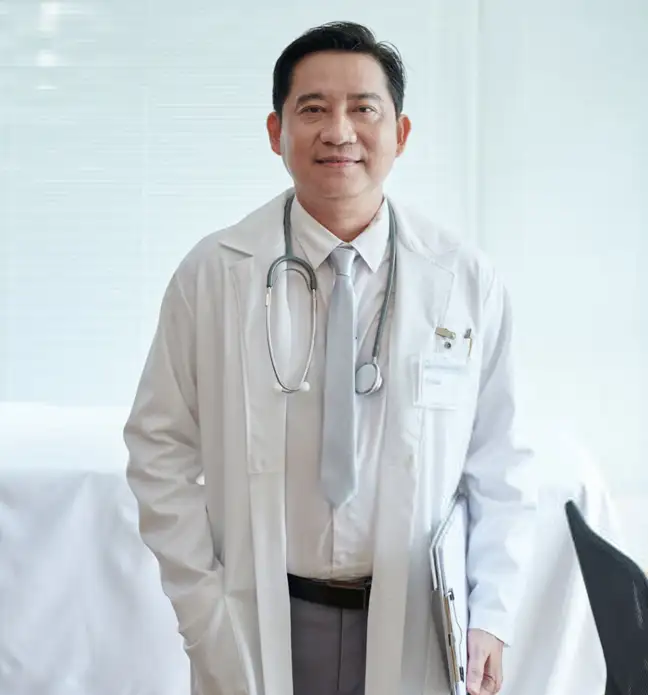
(337, 161)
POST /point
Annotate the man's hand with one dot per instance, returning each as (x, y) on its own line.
(484, 663)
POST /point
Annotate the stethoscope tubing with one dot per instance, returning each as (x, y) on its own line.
(305, 270)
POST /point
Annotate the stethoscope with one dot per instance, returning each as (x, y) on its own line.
(368, 376)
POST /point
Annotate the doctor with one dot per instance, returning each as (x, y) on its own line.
(289, 500)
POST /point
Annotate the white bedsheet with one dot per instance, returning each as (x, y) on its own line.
(81, 608)
(82, 611)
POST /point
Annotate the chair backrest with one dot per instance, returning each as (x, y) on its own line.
(618, 595)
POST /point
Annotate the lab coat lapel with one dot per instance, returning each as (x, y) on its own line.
(421, 298)
(265, 413)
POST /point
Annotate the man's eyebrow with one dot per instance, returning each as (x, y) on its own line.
(365, 96)
(311, 96)
(356, 96)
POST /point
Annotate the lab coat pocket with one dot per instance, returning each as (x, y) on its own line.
(216, 665)
(439, 381)
(442, 389)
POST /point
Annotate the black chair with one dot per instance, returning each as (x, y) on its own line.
(618, 595)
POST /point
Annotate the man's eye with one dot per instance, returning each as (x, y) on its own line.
(312, 109)
(366, 109)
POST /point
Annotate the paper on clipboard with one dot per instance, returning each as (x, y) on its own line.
(448, 561)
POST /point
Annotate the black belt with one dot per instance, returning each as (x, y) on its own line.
(351, 596)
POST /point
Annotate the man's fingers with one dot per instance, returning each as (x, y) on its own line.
(474, 680)
(475, 676)
(492, 680)
(490, 685)
(484, 673)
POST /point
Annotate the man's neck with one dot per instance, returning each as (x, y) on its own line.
(345, 217)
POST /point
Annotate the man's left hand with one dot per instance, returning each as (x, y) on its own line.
(484, 675)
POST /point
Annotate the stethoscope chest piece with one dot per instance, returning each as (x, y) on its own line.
(368, 379)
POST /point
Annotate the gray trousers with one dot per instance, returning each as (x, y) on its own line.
(329, 647)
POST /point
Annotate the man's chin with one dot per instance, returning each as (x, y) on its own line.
(340, 189)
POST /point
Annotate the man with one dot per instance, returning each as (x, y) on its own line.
(301, 564)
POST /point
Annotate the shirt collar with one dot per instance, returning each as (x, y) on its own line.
(317, 242)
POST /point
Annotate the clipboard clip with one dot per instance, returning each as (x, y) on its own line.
(458, 669)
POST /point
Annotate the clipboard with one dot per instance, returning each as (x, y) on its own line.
(450, 590)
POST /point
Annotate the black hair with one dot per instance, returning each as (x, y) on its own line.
(339, 36)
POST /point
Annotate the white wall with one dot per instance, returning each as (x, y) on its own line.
(563, 209)
(130, 129)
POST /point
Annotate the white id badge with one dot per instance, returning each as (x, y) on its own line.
(439, 379)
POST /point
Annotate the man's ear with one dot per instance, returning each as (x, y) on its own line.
(274, 132)
(404, 128)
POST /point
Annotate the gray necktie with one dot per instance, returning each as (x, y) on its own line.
(338, 470)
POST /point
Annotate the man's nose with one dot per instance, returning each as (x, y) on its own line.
(338, 130)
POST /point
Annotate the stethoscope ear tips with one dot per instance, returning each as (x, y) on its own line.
(305, 387)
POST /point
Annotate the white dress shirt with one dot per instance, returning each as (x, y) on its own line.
(323, 542)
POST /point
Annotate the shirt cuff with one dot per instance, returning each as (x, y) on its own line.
(496, 623)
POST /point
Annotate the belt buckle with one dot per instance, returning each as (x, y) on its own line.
(363, 585)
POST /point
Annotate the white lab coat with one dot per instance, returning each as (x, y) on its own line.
(207, 405)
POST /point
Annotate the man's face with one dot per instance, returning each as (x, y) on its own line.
(339, 134)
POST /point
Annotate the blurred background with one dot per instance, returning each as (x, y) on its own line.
(129, 129)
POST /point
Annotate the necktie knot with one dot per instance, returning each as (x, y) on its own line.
(342, 258)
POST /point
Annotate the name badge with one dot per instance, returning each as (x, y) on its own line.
(438, 380)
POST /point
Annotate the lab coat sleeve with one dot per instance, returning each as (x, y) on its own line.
(500, 482)
(164, 467)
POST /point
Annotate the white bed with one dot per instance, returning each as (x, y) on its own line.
(82, 611)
